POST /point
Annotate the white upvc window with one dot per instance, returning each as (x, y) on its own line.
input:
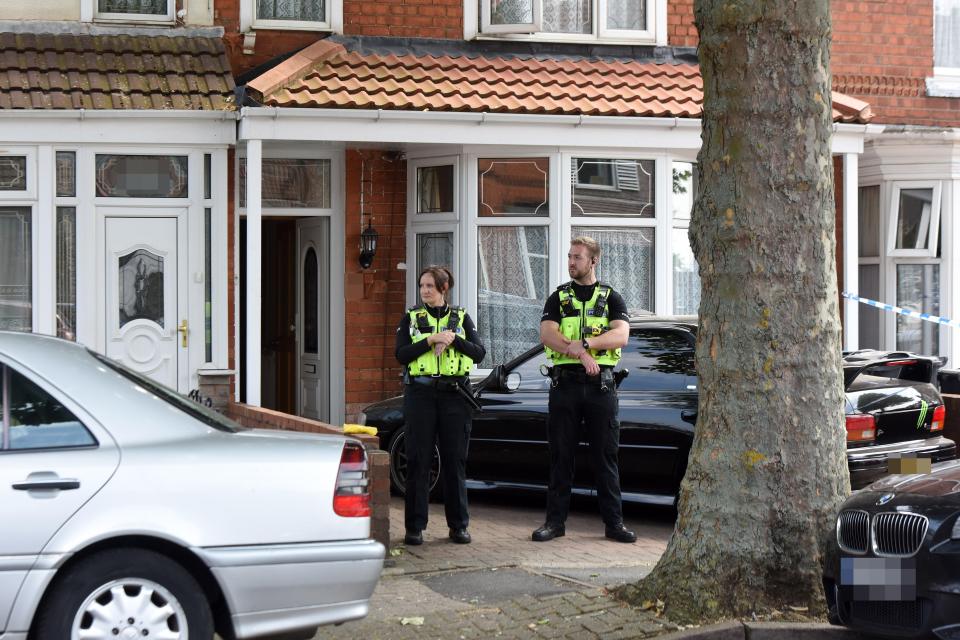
(162, 11)
(914, 219)
(634, 21)
(301, 15)
(946, 49)
(433, 206)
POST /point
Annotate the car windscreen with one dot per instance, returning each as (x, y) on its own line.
(197, 411)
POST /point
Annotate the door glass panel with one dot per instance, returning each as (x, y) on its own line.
(40, 421)
(435, 189)
(869, 221)
(207, 285)
(657, 360)
(66, 174)
(918, 289)
(514, 187)
(67, 272)
(141, 176)
(913, 223)
(311, 320)
(626, 262)
(686, 276)
(626, 14)
(510, 299)
(141, 287)
(613, 188)
(13, 173)
(290, 183)
(16, 276)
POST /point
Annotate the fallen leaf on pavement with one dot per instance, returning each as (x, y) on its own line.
(415, 621)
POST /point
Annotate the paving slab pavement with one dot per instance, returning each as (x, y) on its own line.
(504, 585)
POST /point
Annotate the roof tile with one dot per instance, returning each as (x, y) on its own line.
(328, 75)
(71, 71)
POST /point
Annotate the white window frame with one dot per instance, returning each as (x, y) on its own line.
(412, 196)
(90, 13)
(476, 26)
(30, 192)
(932, 223)
(946, 80)
(675, 223)
(413, 273)
(333, 22)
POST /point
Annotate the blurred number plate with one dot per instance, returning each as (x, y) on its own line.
(886, 579)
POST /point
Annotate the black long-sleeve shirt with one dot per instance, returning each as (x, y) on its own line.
(469, 344)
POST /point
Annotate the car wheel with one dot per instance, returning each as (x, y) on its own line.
(398, 465)
(125, 593)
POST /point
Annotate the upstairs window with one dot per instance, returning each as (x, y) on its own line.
(292, 14)
(136, 10)
(571, 19)
(946, 49)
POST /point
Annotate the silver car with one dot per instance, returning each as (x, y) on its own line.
(128, 511)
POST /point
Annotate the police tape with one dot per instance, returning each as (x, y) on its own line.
(904, 312)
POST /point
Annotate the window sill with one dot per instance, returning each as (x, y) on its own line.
(943, 86)
(300, 26)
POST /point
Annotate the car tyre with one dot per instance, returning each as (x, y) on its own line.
(115, 583)
(398, 466)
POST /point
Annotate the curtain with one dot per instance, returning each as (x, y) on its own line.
(16, 283)
(626, 262)
(567, 16)
(686, 276)
(946, 37)
(303, 10)
(513, 274)
(149, 7)
(626, 14)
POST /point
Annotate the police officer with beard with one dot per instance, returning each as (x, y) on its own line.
(583, 328)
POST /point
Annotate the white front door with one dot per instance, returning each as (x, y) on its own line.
(313, 302)
(143, 313)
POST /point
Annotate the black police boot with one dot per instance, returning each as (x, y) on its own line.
(460, 535)
(548, 532)
(413, 538)
(620, 533)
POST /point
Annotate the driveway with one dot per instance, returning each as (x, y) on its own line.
(505, 585)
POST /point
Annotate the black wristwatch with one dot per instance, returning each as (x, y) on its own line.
(585, 345)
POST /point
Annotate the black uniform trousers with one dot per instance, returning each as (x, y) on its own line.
(436, 413)
(575, 401)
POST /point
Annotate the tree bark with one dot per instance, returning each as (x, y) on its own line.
(767, 470)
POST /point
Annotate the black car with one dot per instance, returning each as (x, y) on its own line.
(896, 570)
(892, 407)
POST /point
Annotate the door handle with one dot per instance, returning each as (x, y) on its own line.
(54, 483)
(182, 328)
(689, 415)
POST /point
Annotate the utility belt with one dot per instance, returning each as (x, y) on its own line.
(439, 381)
(607, 379)
(456, 384)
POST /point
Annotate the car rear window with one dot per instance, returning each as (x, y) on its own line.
(658, 359)
(195, 410)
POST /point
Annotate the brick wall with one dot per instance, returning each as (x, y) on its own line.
(681, 32)
(375, 297)
(883, 53)
(379, 461)
(404, 18)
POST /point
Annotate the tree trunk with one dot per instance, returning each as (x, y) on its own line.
(768, 468)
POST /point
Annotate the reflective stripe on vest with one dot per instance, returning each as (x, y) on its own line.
(580, 320)
(449, 363)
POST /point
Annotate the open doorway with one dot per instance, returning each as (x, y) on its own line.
(295, 315)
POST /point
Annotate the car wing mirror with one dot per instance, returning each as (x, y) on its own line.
(512, 381)
(502, 382)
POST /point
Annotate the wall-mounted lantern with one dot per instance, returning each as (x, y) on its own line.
(368, 245)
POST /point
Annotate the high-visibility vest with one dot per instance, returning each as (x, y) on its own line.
(449, 363)
(579, 320)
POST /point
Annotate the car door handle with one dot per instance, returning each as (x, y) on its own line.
(688, 415)
(47, 484)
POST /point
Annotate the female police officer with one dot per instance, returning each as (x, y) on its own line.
(438, 344)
